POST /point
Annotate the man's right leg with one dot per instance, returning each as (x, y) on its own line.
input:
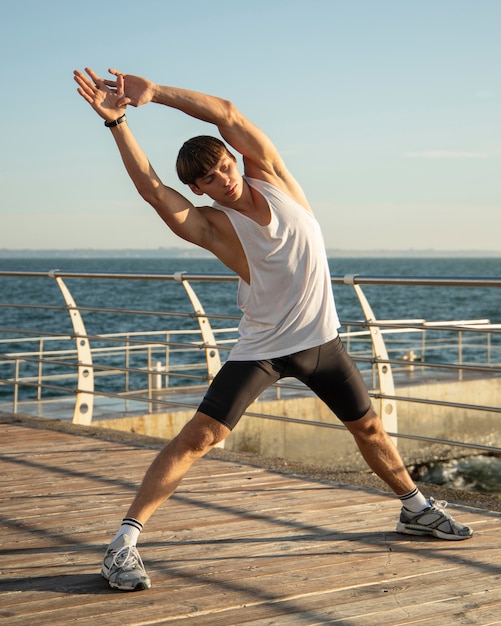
(197, 437)
(122, 565)
(237, 384)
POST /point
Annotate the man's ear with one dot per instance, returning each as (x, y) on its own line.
(195, 189)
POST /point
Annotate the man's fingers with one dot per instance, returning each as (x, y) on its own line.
(79, 77)
(120, 85)
(87, 89)
(93, 75)
(85, 96)
(83, 81)
(114, 83)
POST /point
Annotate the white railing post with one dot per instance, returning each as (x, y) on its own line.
(157, 376)
(387, 407)
(16, 385)
(211, 352)
(84, 400)
(149, 366)
(167, 359)
(460, 354)
(40, 369)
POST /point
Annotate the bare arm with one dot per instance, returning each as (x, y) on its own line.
(261, 158)
(182, 217)
(234, 127)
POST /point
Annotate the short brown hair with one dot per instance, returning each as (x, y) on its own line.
(197, 156)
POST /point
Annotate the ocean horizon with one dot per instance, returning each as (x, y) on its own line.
(193, 252)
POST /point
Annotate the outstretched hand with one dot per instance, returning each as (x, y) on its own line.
(105, 101)
(136, 90)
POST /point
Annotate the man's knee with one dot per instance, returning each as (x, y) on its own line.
(201, 434)
(367, 426)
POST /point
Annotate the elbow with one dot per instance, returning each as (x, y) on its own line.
(230, 113)
(149, 193)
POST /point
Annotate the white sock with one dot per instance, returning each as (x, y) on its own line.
(131, 527)
(414, 501)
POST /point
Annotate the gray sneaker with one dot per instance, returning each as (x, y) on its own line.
(433, 521)
(123, 568)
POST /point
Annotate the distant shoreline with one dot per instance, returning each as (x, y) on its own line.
(186, 253)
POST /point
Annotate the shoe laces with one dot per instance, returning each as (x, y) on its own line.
(440, 505)
(127, 558)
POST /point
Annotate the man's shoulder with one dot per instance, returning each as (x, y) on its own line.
(273, 184)
(286, 191)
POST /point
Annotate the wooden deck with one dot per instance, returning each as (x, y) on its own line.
(237, 545)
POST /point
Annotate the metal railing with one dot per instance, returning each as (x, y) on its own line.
(144, 370)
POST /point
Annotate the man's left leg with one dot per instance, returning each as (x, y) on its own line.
(383, 458)
(338, 382)
(380, 453)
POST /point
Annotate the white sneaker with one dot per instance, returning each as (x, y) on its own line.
(433, 521)
(123, 567)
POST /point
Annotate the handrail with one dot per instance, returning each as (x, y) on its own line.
(149, 344)
(421, 281)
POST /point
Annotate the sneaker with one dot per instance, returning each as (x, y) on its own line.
(433, 521)
(123, 568)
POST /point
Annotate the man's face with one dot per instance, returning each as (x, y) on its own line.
(223, 182)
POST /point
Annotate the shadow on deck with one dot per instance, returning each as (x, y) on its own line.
(238, 544)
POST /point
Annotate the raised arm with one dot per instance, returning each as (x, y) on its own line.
(182, 217)
(261, 158)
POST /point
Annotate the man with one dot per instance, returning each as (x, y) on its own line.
(262, 227)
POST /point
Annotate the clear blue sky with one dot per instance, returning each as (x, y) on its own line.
(387, 111)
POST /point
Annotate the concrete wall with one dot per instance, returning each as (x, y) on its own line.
(335, 447)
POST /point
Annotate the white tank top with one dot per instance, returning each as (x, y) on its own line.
(289, 304)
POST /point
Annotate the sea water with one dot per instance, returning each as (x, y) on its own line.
(395, 302)
(387, 302)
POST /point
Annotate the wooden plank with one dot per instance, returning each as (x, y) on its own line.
(238, 544)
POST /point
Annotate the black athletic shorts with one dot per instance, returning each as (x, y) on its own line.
(327, 370)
